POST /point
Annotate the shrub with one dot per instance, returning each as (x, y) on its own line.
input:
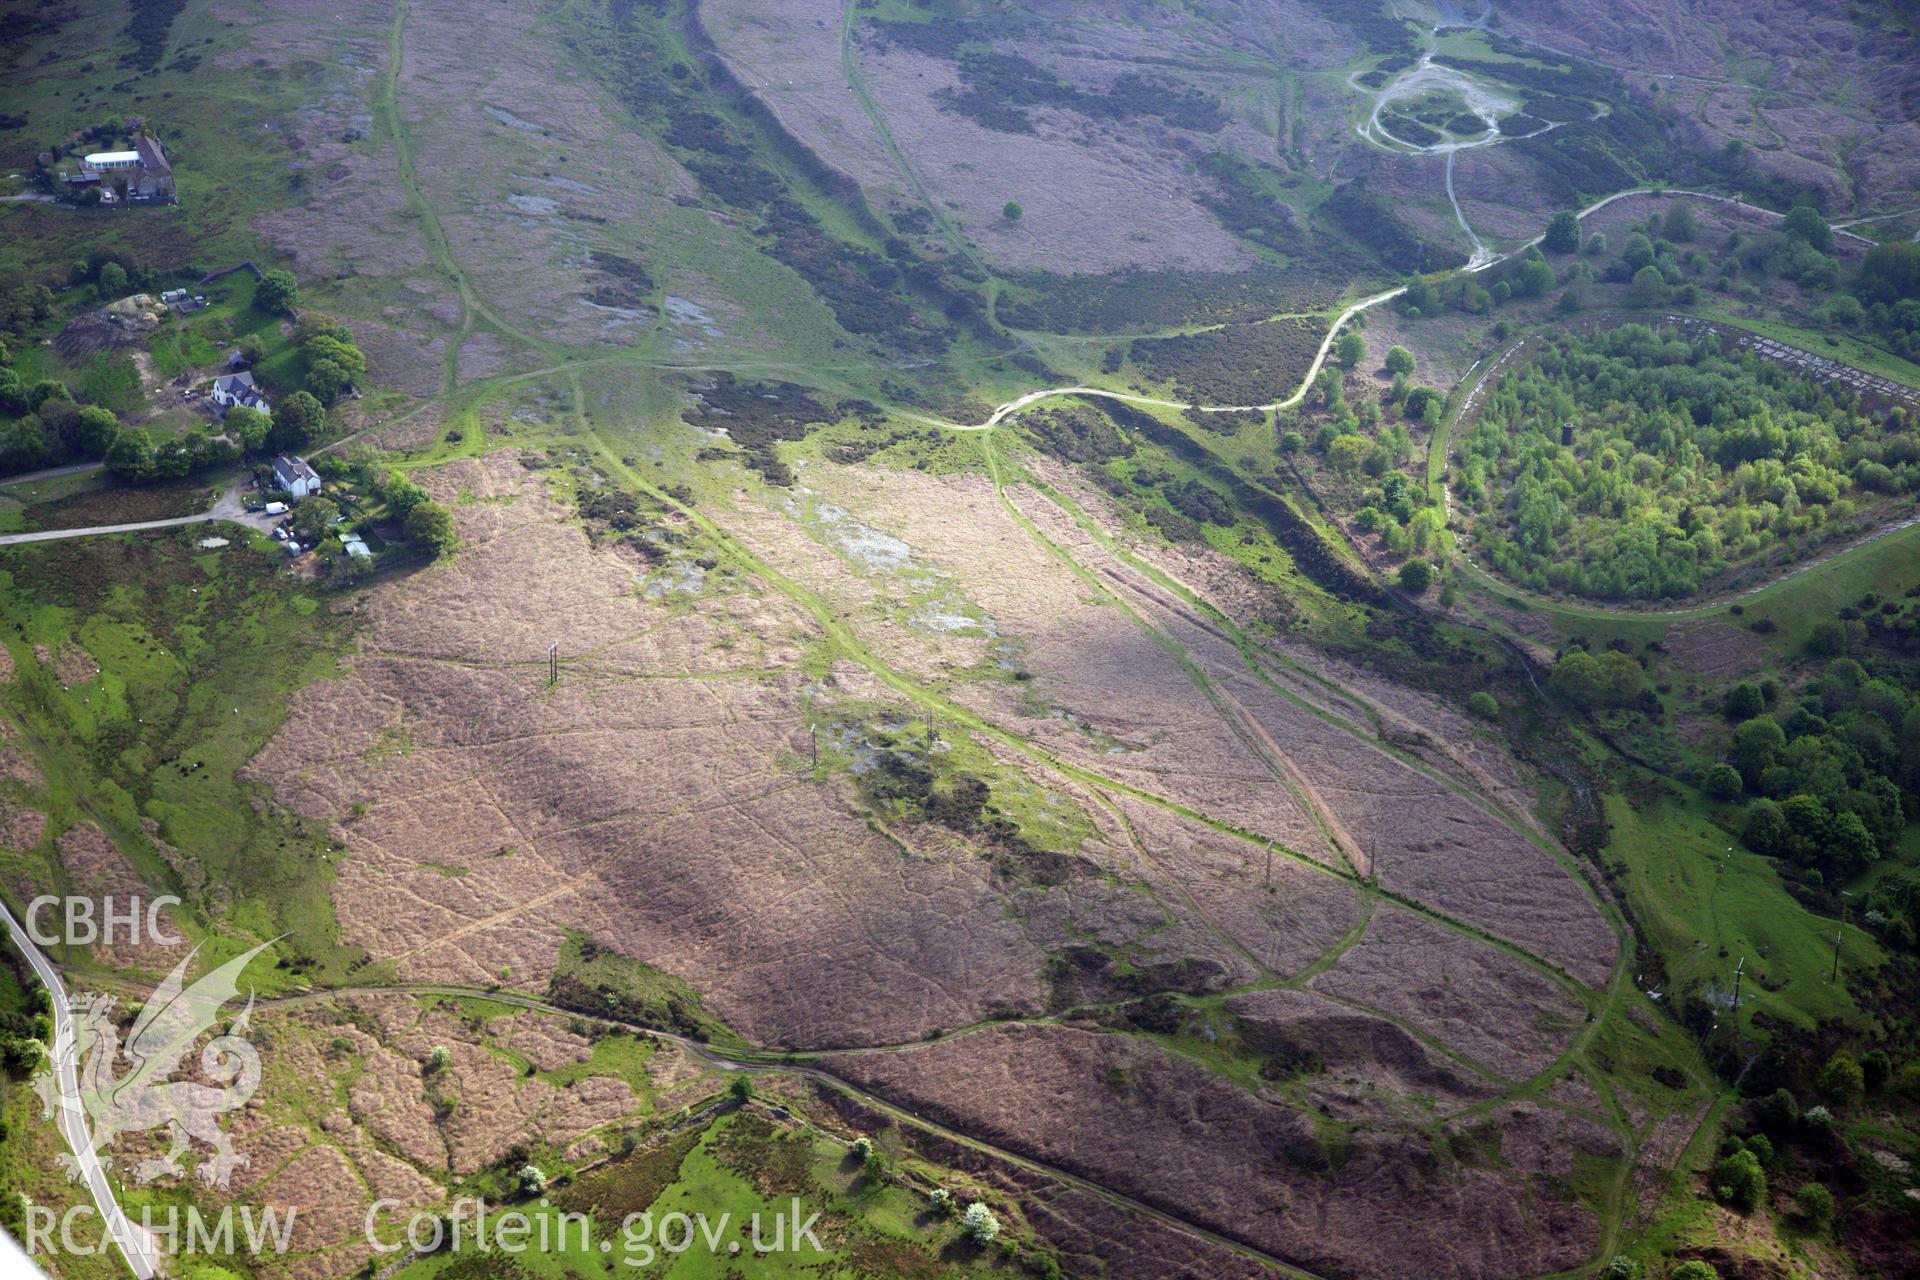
(1400, 360)
(1484, 705)
(1722, 782)
(1350, 349)
(1817, 1118)
(1842, 1080)
(438, 1057)
(978, 1224)
(1779, 1110)
(1416, 576)
(862, 1148)
(1563, 234)
(740, 1088)
(277, 291)
(1813, 1205)
(1606, 679)
(1620, 1267)
(1694, 1269)
(1740, 1182)
(940, 1202)
(1012, 211)
(429, 527)
(1745, 701)
(532, 1181)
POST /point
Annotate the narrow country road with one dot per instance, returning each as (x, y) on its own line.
(71, 469)
(230, 507)
(141, 1253)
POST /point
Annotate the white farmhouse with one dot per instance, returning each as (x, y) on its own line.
(294, 477)
(238, 389)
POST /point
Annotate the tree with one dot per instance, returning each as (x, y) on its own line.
(740, 1088)
(940, 1202)
(1597, 245)
(327, 380)
(1345, 452)
(1484, 705)
(1350, 350)
(1778, 1111)
(94, 430)
(1828, 639)
(1012, 211)
(1804, 223)
(1605, 679)
(1536, 278)
(532, 1180)
(249, 427)
(1740, 1182)
(1416, 576)
(1694, 1269)
(429, 527)
(1424, 404)
(1890, 273)
(979, 1224)
(1842, 1081)
(401, 495)
(296, 422)
(1813, 1205)
(1755, 746)
(1563, 234)
(113, 280)
(1649, 288)
(1745, 701)
(312, 518)
(1419, 295)
(1722, 782)
(1680, 225)
(438, 1058)
(277, 291)
(1400, 360)
(130, 456)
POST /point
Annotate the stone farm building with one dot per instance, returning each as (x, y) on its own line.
(145, 172)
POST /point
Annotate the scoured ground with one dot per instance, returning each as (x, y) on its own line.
(660, 799)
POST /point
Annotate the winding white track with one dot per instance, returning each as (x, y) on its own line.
(139, 1248)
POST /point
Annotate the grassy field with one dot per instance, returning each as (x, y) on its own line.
(198, 652)
(1706, 903)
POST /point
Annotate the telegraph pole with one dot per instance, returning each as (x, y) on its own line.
(1269, 864)
(553, 664)
(1736, 989)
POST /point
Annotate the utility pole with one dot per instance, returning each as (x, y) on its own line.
(1835, 975)
(1737, 969)
(813, 739)
(1269, 864)
(553, 664)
